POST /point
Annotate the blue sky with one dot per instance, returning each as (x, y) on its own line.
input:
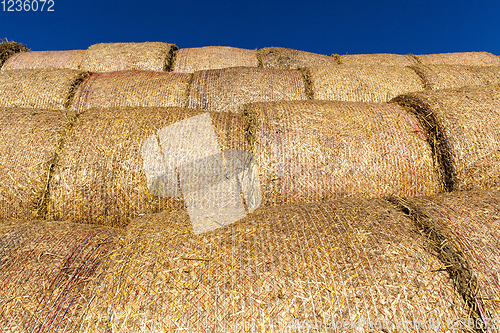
(355, 26)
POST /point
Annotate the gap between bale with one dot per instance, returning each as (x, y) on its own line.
(170, 59)
(306, 76)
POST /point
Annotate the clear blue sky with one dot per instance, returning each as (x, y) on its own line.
(356, 26)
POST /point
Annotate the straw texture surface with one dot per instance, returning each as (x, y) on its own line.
(226, 90)
(9, 48)
(45, 60)
(100, 177)
(362, 83)
(376, 59)
(194, 59)
(464, 128)
(314, 150)
(132, 89)
(282, 58)
(38, 88)
(48, 272)
(111, 57)
(460, 58)
(281, 269)
(456, 76)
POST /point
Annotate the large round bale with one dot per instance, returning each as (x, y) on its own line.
(101, 176)
(9, 48)
(460, 58)
(470, 220)
(280, 269)
(39, 88)
(132, 89)
(226, 90)
(456, 76)
(464, 131)
(362, 83)
(190, 60)
(283, 58)
(45, 60)
(111, 57)
(314, 150)
(377, 59)
(48, 273)
(28, 141)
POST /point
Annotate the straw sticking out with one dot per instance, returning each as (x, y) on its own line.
(282, 58)
(190, 60)
(7, 49)
(45, 60)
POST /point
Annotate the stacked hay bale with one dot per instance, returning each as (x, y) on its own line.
(376, 59)
(315, 150)
(282, 268)
(226, 90)
(464, 131)
(49, 271)
(111, 57)
(45, 60)
(283, 58)
(460, 58)
(375, 83)
(132, 89)
(190, 60)
(39, 88)
(8, 49)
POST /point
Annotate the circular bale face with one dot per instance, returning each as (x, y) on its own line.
(39, 88)
(112, 57)
(190, 60)
(315, 150)
(226, 90)
(460, 58)
(362, 83)
(102, 172)
(464, 125)
(8, 49)
(132, 89)
(283, 58)
(49, 271)
(45, 60)
(279, 269)
(377, 59)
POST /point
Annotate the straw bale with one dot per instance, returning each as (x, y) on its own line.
(45, 60)
(100, 177)
(112, 57)
(39, 88)
(377, 59)
(464, 131)
(28, 140)
(362, 83)
(460, 58)
(48, 273)
(280, 269)
(456, 76)
(283, 58)
(190, 60)
(314, 150)
(132, 89)
(226, 90)
(9, 48)
(471, 221)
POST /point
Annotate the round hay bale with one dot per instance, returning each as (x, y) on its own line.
(281, 269)
(362, 83)
(283, 58)
(226, 90)
(28, 140)
(378, 59)
(7, 49)
(132, 89)
(39, 88)
(45, 60)
(101, 178)
(464, 130)
(112, 57)
(49, 271)
(190, 60)
(314, 150)
(456, 76)
(460, 58)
